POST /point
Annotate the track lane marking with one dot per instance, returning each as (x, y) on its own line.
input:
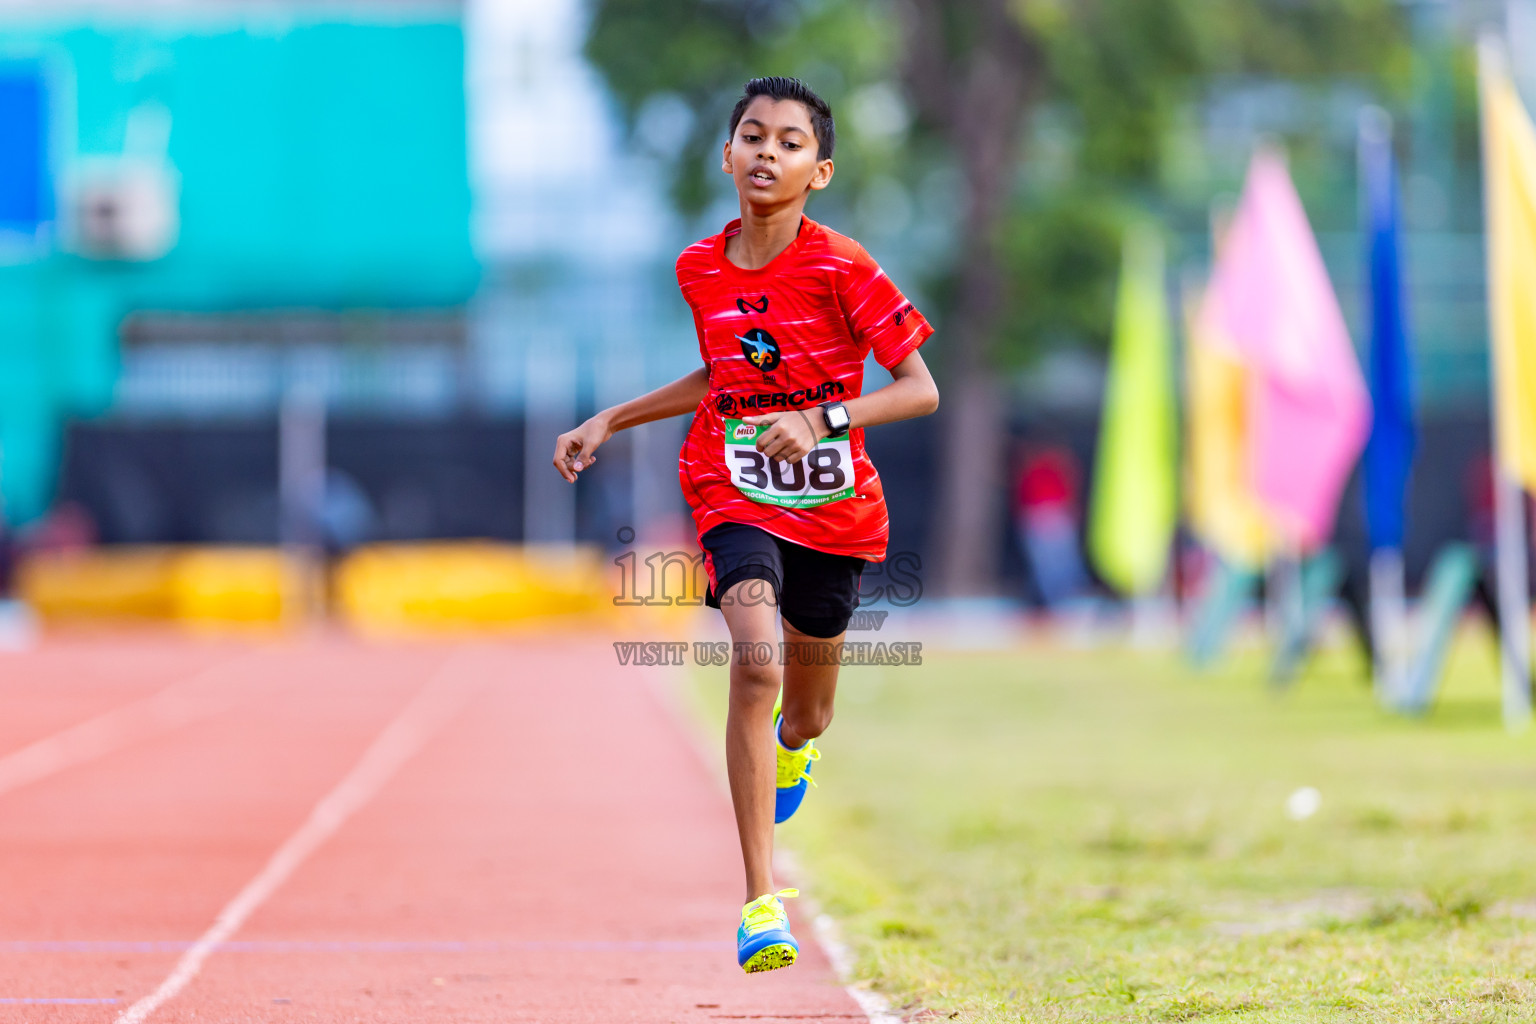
(437, 703)
(369, 945)
(54, 1001)
(164, 711)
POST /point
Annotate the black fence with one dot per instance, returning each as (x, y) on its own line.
(461, 478)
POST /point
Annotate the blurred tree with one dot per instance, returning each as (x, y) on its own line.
(676, 67)
(1047, 122)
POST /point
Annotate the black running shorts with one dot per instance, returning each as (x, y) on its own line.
(816, 592)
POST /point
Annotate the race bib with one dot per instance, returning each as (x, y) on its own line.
(825, 474)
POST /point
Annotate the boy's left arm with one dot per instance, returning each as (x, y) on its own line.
(795, 433)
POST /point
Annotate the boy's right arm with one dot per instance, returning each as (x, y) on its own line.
(574, 449)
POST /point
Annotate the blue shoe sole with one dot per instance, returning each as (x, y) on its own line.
(770, 958)
(768, 951)
(787, 801)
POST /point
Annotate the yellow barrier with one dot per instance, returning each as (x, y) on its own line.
(121, 584)
(384, 588)
(251, 586)
(388, 588)
(220, 586)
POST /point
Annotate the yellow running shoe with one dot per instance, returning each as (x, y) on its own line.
(763, 942)
(794, 771)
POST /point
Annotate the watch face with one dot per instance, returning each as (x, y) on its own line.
(837, 417)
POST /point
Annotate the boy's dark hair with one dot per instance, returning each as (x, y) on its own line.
(778, 87)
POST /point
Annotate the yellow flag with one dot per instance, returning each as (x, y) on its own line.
(1223, 509)
(1509, 181)
(1135, 504)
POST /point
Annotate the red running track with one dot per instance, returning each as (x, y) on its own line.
(507, 832)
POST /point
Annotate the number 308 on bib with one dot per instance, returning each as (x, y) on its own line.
(825, 474)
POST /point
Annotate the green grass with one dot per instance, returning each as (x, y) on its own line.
(1050, 835)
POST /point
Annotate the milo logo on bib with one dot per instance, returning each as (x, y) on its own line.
(825, 474)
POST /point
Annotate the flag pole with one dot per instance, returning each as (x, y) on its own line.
(1514, 603)
(1509, 511)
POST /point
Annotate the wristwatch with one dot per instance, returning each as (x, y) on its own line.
(836, 416)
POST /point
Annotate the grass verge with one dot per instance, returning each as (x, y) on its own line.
(1050, 835)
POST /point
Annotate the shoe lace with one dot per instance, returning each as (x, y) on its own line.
(794, 765)
(766, 910)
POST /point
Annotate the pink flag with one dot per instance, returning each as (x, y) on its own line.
(1271, 300)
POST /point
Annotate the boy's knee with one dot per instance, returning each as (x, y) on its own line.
(809, 722)
(755, 682)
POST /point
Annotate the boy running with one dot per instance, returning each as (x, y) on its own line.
(787, 504)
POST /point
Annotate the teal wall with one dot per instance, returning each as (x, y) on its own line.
(322, 165)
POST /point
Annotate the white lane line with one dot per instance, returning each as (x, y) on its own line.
(171, 708)
(875, 1006)
(666, 689)
(829, 936)
(444, 695)
(266, 946)
(54, 1001)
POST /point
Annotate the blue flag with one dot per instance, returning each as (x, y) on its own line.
(1389, 451)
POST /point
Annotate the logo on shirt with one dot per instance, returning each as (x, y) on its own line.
(760, 348)
(748, 306)
(727, 403)
(901, 314)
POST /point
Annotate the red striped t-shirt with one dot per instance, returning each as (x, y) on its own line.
(791, 335)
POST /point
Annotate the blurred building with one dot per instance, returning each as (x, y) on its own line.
(180, 180)
(427, 214)
(412, 210)
(579, 307)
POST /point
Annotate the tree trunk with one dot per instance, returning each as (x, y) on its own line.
(973, 471)
(971, 69)
(973, 451)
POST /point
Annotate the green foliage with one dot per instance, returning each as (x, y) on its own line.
(1131, 68)
(1113, 123)
(685, 61)
(1062, 252)
(1118, 126)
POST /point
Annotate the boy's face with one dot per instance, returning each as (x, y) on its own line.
(772, 156)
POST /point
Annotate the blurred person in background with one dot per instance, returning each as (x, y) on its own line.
(1045, 517)
(348, 518)
(68, 527)
(1479, 490)
(7, 560)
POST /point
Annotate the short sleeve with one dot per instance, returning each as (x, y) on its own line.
(698, 329)
(879, 316)
(684, 285)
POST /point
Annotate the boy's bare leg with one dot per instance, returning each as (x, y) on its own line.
(810, 684)
(752, 617)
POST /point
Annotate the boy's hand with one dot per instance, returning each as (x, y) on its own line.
(791, 435)
(575, 450)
